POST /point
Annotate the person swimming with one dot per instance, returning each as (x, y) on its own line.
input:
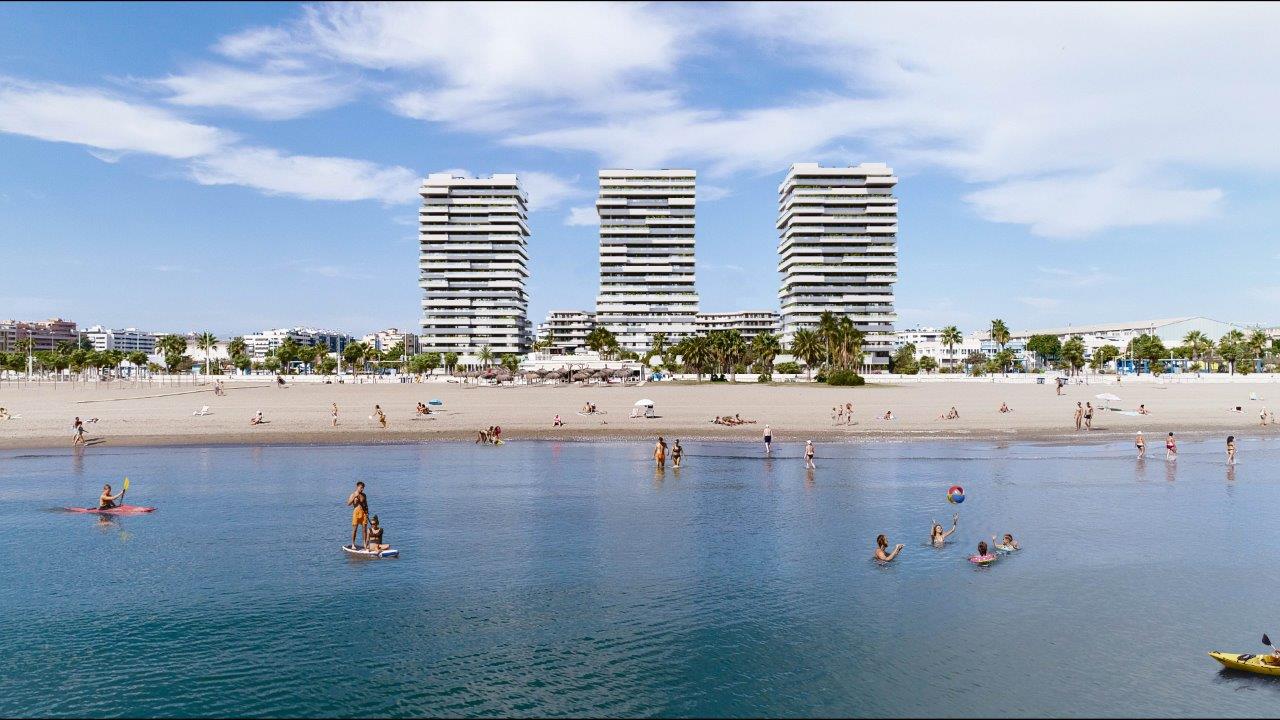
(1009, 543)
(106, 500)
(882, 544)
(937, 537)
(984, 555)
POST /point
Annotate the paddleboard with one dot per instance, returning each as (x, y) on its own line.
(118, 510)
(359, 552)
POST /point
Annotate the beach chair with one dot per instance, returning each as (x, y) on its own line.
(202, 411)
(1254, 396)
(648, 412)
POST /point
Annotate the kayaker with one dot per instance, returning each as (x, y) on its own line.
(359, 514)
(882, 544)
(106, 500)
(373, 541)
(937, 537)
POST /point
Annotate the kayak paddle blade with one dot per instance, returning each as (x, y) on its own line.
(1266, 640)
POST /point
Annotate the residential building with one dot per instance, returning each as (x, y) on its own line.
(261, 343)
(126, 340)
(384, 340)
(1171, 332)
(647, 256)
(566, 331)
(45, 334)
(473, 264)
(838, 251)
(749, 323)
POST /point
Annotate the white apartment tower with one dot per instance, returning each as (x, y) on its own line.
(646, 255)
(474, 262)
(838, 250)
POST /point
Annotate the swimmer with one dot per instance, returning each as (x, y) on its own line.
(1141, 443)
(984, 555)
(881, 545)
(1231, 449)
(1010, 543)
(1170, 448)
(937, 537)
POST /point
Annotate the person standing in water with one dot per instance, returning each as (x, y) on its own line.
(808, 454)
(1170, 448)
(768, 440)
(937, 537)
(1088, 416)
(1141, 444)
(1231, 449)
(660, 453)
(677, 453)
(882, 544)
(359, 514)
(334, 412)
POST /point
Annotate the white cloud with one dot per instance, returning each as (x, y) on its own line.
(91, 117)
(1077, 205)
(1064, 277)
(585, 215)
(259, 93)
(331, 271)
(711, 193)
(1040, 303)
(547, 191)
(307, 177)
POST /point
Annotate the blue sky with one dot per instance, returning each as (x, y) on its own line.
(235, 167)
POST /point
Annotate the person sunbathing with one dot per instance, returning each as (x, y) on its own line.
(1004, 408)
(888, 415)
(257, 419)
(1142, 409)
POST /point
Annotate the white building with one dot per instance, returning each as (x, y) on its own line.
(1171, 332)
(126, 340)
(384, 340)
(261, 343)
(567, 331)
(928, 342)
(749, 323)
(838, 250)
(647, 255)
(473, 263)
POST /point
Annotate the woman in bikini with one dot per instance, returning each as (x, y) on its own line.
(1231, 449)
(1170, 448)
(937, 537)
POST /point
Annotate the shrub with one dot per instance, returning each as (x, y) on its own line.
(845, 378)
(764, 378)
(788, 368)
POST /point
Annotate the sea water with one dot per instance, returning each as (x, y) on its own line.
(563, 579)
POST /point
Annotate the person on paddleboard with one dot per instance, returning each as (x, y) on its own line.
(373, 542)
(359, 514)
(106, 500)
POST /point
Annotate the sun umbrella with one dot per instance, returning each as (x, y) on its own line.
(644, 403)
(1108, 397)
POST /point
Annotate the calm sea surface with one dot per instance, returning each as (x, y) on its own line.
(542, 578)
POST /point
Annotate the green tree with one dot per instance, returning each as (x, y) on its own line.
(696, 354)
(511, 362)
(1047, 347)
(1104, 355)
(1232, 346)
(951, 337)
(272, 362)
(1000, 335)
(928, 364)
(1147, 347)
(485, 355)
(1073, 353)
(450, 361)
(237, 346)
(1198, 343)
(601, 340)
(657, 347)
(326, 365)
(903, 361)
(207, 341)
(173, 347)
(765, 347)
(354, 353)
(807, 346)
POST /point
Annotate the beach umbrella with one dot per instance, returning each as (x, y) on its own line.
(579, 376)
(644, 403)
(555, 374)
(1108, 397)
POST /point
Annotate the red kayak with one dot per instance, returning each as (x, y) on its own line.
(117, 510)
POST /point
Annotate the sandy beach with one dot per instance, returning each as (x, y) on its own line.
(300, 413)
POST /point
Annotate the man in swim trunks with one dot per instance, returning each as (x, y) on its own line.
(106, 500)
(360, 513)
(768, 440)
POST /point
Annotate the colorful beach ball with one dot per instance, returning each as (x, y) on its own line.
(955, 495)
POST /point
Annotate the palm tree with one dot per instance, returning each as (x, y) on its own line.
(1257, 343)
(601, 340)
(1197, 342)
(1000, 336)
(806, 345)
(659, 345)
(735, 348)
(1230, 347)
(849, 341)
(951, 337)
(485, 355)
(828, 326)
(319, 353)
(697, 354)
(765, 347)
(354, 353)
(207, 341)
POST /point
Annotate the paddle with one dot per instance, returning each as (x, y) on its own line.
(125, 490)
(1267, 641)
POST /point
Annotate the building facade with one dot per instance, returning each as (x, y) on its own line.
(566, 331)
(44, 334)
(838, 251)
(647, 256)
(126, 340)
(473, 264)
(260, 344)
(384, 340)
(749, 323)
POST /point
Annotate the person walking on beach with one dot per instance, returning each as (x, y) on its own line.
(768, 440)
(882, 544)
(1231, 449)
(77, 427)
(677, 453)
(808, 454)
(1059, 383)
(1170, 448)
(1079, 415)
(334, 412)
(848, 413)
(660, 453)
(1141, 444)
(380, 416)
(1088, 416)
(359, 514)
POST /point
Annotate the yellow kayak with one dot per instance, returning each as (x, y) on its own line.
(1248, 662)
